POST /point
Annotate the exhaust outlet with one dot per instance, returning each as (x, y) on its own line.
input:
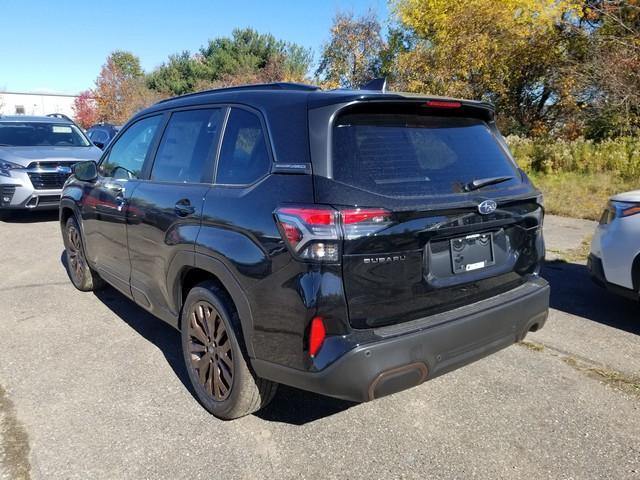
(398, 379)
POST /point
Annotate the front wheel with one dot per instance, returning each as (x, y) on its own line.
(218, 370)
(83, 277)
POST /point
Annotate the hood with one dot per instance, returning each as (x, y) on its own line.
(25, 155)
(633, 196)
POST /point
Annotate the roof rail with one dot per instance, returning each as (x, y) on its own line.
(253, 86)
(59, 115)
(377, 84)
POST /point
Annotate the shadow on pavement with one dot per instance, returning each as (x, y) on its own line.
(290, 405)
(572, 291)
(30, 216)
(298, 407)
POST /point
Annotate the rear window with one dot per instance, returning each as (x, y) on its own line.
(416, 155)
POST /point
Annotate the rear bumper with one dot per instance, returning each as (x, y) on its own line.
(432, 347)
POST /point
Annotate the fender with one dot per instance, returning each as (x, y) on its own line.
(184, 260)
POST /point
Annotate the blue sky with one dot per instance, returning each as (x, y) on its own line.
(59, 46)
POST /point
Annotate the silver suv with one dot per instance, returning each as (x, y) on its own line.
(36, 158)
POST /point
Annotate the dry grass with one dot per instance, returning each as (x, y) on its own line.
(579, 195)
(536, 347)
(612, 378)
(575, 255)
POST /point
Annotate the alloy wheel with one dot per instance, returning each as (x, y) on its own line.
(210, 350)
(74, 252)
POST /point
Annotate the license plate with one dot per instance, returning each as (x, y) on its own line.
(472, 252)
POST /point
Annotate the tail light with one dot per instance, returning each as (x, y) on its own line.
(315, 233)
(442, 104)
(623, 209)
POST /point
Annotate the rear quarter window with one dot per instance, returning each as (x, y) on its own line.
(416, 155)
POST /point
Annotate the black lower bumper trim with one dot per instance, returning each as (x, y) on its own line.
(395, 362)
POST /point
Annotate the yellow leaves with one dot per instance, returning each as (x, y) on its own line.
(484, 42)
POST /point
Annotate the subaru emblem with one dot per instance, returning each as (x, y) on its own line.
(63, 170)
(487, 207)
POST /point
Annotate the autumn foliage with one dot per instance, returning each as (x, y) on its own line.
(85, 110)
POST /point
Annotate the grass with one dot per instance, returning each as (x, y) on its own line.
(579, 195)
(613, 378)
(536, 347)
(575, 255)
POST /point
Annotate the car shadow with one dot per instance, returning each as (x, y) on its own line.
(573, 291)
(298, 407)
(30, 216)
(290, 405)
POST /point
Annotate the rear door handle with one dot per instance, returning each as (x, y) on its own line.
(184, 208)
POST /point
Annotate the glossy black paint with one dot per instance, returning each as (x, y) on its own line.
(152, 239)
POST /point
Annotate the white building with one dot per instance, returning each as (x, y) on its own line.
(22, 103)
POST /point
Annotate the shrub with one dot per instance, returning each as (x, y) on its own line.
(619, 157)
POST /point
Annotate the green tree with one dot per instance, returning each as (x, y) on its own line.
(249, 51)
(120, 88)
(353, 54)
(127, 64)
(245, 57)
(179, 75)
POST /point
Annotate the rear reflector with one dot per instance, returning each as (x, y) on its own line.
(317, 335)
(442, 104)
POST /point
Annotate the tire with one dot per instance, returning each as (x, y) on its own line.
(83, 277)
(215, 357)
(5, 214)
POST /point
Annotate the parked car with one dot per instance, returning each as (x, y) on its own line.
(353, 243)
(614, 261)
(36, 158)
(102, 133)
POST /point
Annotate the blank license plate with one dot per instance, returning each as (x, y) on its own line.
(472, 252)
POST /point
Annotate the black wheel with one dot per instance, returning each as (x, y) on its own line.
(83, 277)
(215, 359)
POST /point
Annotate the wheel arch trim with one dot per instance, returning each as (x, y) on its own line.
(184, 261)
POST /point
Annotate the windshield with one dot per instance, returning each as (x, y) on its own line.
(35, 134)
(414, 155)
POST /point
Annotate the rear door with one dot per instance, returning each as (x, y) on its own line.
(165, 211)
(425, 240)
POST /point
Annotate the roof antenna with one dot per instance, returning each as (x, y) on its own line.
(377, 84)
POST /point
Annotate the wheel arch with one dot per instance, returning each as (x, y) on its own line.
(206, 268)
(67, 209)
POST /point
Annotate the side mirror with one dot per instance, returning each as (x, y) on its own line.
(100, 145)
(86, 171)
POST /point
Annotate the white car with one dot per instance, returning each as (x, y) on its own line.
(614, 261)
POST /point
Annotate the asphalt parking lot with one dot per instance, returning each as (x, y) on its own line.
(92, 386)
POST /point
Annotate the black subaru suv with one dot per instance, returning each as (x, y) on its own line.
(353, 243)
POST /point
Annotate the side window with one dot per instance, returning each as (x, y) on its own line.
(127, 155)
(98, 136)
(187, 146)
(244, 157)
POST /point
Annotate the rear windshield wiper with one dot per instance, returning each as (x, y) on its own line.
(484, 182)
